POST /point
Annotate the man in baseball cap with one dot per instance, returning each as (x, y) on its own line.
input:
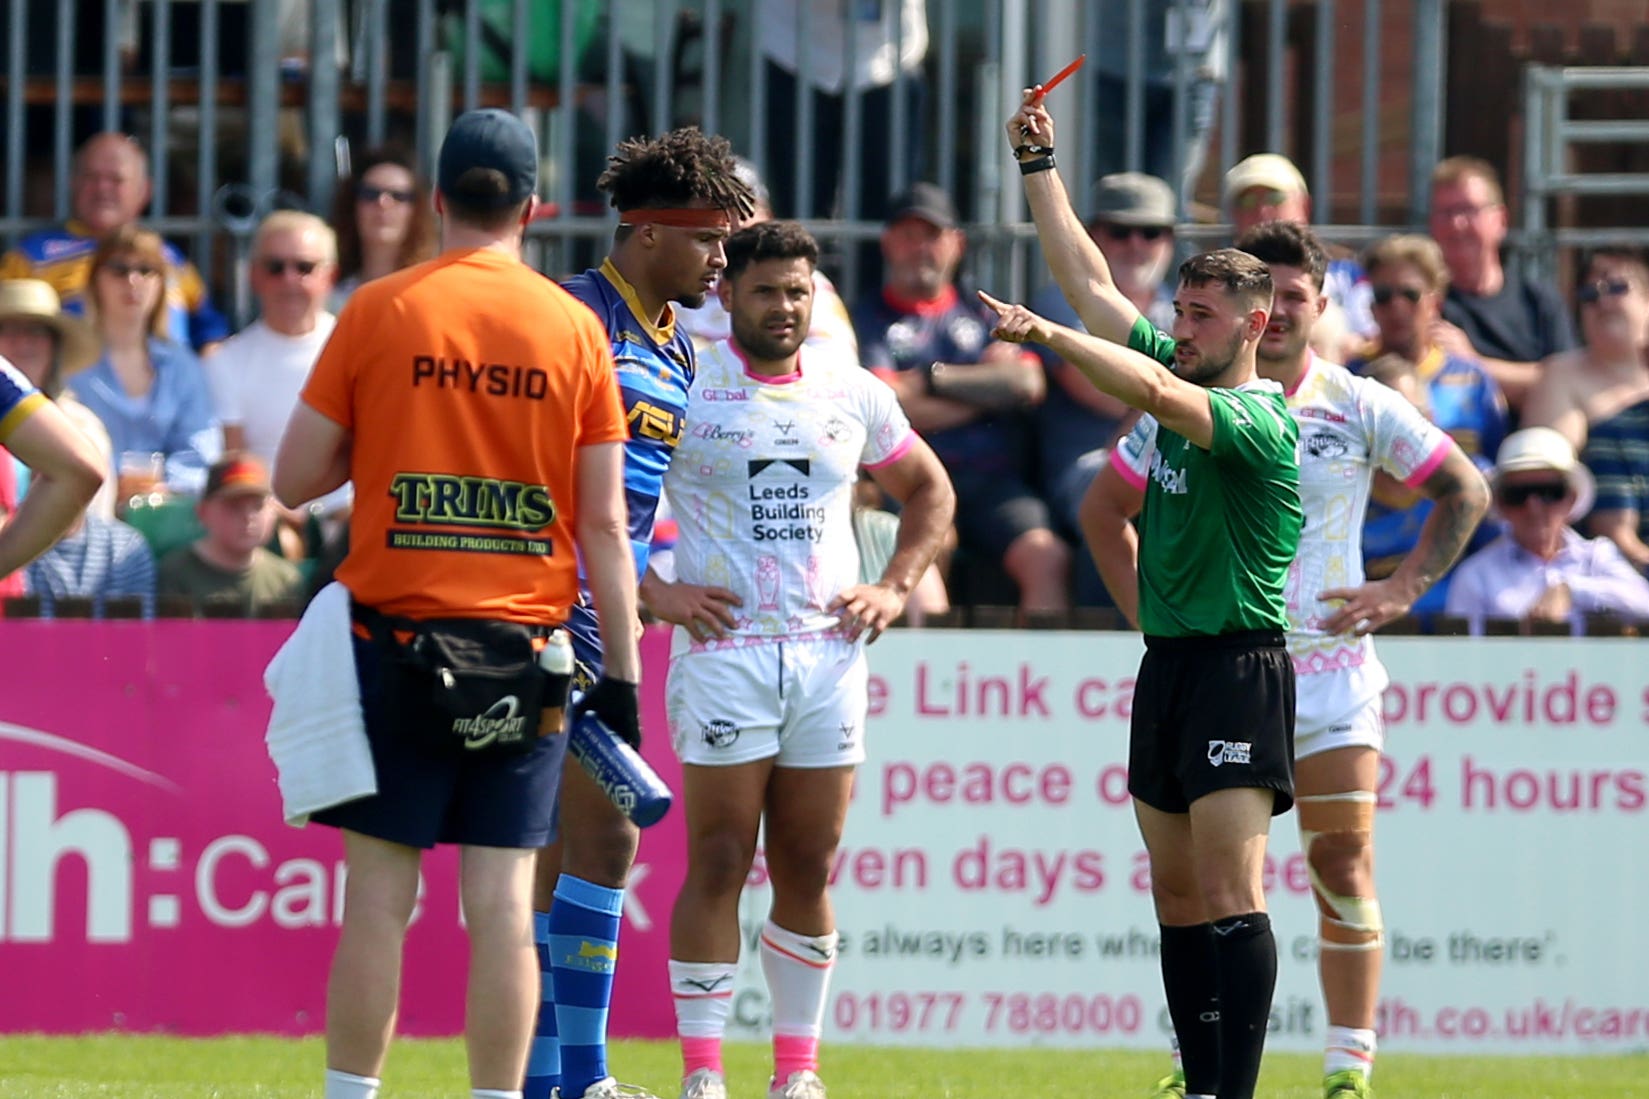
(229, 564)
(1268, 187)
(1265, 187)
(488, 164)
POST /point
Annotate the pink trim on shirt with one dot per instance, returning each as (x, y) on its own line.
(898, 452)
(1418, 477)
(1310, 362)
(766, 379)
(1135, 480)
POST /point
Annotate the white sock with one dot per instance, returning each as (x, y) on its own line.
(346, 1085)
(1349, 1047)
(493, 1093)
(797, 968)
(703, 993)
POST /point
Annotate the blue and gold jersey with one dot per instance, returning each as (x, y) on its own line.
(18, 400)
(655, 369)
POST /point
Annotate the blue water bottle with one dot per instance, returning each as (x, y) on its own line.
(618, 769)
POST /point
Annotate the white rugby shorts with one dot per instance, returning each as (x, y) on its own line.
(1363, 727)
(801, 702)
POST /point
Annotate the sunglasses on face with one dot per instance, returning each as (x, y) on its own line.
(1594, 292)
(1384, 294)
(1143, 232)
(278, 267)
(1256, 198)
(369, 193)
(1515, 496)
(123, 270)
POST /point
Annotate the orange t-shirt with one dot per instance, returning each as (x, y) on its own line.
(468, 384)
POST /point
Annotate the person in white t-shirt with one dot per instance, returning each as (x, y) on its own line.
(1348, 427)
(258, 372)
(767, 693)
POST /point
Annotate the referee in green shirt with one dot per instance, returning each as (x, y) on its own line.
(1211, 740)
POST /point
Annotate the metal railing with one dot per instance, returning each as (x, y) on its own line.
(224, 96)
(1551, 137)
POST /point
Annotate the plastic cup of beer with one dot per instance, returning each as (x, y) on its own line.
(142, 474)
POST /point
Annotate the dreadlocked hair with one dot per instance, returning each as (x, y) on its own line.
(674, 169)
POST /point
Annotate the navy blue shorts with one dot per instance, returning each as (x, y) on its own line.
(427, 796)
(1212, 713)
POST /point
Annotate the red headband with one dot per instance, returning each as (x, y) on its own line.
(681, 217)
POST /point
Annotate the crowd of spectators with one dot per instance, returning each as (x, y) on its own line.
(112, 322)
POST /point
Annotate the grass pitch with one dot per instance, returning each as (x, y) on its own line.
(147, 1067)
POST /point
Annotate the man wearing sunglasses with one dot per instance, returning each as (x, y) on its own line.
(1540, 569)
(258, 373)
(1132, 222)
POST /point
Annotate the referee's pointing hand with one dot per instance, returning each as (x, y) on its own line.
(1015, 323)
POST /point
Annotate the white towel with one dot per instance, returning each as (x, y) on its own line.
(317, 735)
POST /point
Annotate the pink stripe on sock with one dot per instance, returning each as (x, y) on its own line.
(792, 1053)
(697, 1053)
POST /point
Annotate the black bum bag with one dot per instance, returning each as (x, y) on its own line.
(466, 685)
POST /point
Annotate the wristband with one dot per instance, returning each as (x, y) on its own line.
(1022, 151)
(1040, 164)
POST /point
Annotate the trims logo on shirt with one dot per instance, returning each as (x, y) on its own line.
(442, 499)
(1229, 751)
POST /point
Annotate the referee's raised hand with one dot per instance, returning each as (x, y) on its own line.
(1031, 124)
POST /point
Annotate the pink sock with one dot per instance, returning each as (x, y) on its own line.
(697, 1053)
(792, 1053)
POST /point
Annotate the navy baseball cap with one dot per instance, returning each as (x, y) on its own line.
(493, 139)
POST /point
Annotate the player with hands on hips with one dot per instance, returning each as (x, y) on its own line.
(767, 688)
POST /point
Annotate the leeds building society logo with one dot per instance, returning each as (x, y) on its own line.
(719, 733)
(1229, 751)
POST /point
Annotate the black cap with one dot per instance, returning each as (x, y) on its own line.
(927, 201)
(494, 139)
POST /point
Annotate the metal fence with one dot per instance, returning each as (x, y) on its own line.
(246, 104)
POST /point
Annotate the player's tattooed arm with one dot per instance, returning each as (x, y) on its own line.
(1460, 498)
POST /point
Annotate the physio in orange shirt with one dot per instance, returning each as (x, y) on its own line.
(473, 404)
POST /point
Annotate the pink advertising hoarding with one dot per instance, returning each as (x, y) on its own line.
(147, 881)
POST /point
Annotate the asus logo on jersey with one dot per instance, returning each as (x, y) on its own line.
(649, 421)
(471, 501)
